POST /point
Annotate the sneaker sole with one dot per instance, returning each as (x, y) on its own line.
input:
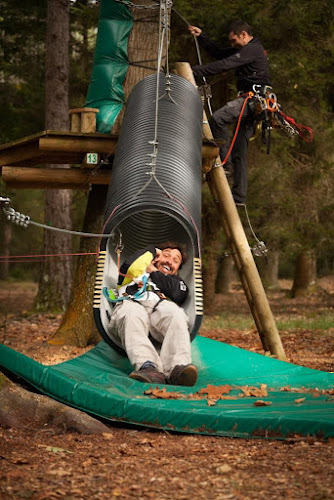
(188, 377)
(139, 378)
(145, 380)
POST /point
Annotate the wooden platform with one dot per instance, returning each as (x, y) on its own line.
(64, 148)
(55, 148)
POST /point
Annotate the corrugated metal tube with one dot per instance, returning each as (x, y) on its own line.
(152, 199)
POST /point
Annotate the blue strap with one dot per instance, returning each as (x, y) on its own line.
(126, 297)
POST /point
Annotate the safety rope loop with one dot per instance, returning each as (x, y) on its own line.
(236, 129)
(299, 127)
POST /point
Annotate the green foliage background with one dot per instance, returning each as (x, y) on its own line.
(290, 198)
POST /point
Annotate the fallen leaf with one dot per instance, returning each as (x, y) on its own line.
(53, 449)
(223, 469)
(107, 435)
(60, 472)
(255, 391)
(211, 402)
(162, 393)
(259, 402)
(299, 400)
(215, 391)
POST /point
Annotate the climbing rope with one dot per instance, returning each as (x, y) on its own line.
(205, 90)
(236, 128)
(259, 249)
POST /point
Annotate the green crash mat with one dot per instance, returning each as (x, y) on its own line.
(97, 382)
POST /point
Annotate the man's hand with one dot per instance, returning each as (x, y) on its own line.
(194, 30)
(151, 267)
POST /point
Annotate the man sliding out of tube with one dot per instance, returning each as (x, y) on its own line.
(249, 60)
(147, 320)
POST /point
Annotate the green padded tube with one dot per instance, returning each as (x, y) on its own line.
(110, 66)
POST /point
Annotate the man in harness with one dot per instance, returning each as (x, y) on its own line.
(147, 321)
(248, 57)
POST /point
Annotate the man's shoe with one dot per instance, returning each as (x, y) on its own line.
(148, 374)
(184, 375)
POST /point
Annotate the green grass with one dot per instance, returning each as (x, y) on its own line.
(226, 321)
(322, 321)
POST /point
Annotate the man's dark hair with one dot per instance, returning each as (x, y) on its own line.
(238, 26)
(176, 246)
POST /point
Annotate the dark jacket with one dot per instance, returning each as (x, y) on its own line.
(250, 63)
(170, 285)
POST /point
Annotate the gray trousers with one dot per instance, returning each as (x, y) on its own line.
(219, 123)
(132, 322)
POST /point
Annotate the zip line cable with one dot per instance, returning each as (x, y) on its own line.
(24, 221)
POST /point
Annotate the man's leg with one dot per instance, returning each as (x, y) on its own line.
(239, 160)
(220, 121)
(129, 326)
(169, 326)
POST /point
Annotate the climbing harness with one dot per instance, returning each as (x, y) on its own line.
(268, 113)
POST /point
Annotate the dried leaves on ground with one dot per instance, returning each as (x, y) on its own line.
(132, 462)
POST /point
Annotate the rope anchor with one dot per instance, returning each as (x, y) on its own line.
(260, 249)
(24, 220)
(16, 217)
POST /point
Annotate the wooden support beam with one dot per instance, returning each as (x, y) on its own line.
(19, 153)
(250, 278)
(55, 147)
(79, 144)
(53, 178)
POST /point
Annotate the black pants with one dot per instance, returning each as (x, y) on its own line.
(219, 123)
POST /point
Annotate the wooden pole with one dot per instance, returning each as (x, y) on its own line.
(250, 278)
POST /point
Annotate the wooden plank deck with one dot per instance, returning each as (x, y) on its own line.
(65, 148)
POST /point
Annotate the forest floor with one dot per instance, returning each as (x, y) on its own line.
(132, 462)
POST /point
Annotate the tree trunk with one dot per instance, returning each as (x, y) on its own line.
(210, 249)
(305, 280)
(210, 270)
(78, 326)
(268, 270)
(142, 51)
(225, 275)
(6, 239)
(21, 408)
(55, 280)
